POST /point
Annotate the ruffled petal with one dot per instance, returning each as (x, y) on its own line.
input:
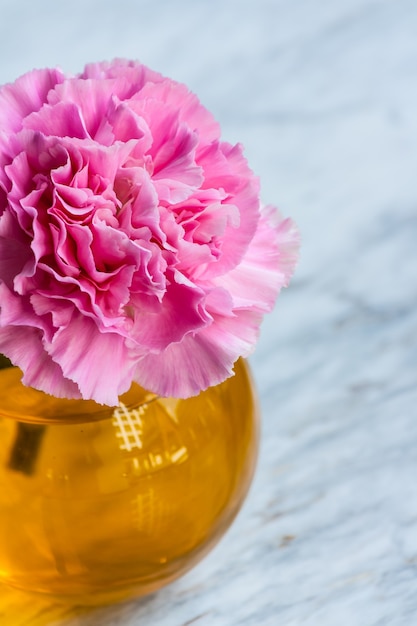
(202, 359)
(267, 265)
(131, 75)
(225, 168)
(23, 346)
(27, 94)
(63, 120)
(157, 324)
(98, 362)
(14, 250)
(188, 106)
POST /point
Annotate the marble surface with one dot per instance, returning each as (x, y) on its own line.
(323, 94)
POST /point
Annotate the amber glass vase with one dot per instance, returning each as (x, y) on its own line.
(100, 504)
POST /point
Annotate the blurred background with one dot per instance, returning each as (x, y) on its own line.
(323, 95)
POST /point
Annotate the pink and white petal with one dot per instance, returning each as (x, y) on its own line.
(97, 361)
(127, 125)
(82, 293)
(94, 100)
(180, 312)
(133, 73)
(267, 265)
(193, 258)
(226, 168)
(63, 119)
(139, 199)
(23, 346)
(175, 173)
(200, 360)
(288, 239)
(27, 94)
(16, 310)
(189, 108)
(10, 147)
(60, 309)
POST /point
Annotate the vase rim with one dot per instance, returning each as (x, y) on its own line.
(42, 408)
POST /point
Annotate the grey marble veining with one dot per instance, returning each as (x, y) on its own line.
(324, 97)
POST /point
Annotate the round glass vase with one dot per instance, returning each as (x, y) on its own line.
(100, 504)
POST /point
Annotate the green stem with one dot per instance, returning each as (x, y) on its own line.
(26, 445)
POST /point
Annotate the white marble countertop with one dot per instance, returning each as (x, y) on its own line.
(323, 94)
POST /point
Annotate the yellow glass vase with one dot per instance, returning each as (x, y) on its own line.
(100, 504)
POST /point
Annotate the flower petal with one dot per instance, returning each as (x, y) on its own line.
(266, 267)
(202, 359)
(98, 362)
(162, 323)
(131, 75)
(23, 346)
(27, 94)
(188, 106)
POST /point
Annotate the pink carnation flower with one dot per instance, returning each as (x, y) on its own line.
(133, 246)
